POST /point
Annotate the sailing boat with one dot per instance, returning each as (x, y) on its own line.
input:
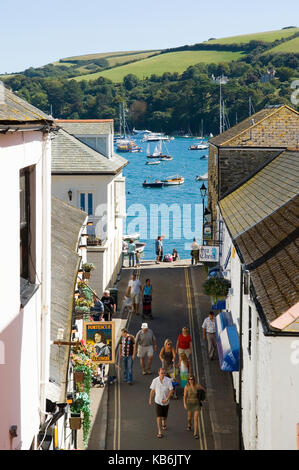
(157, 153)
(124, 144)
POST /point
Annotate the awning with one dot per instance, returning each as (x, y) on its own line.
(227, 342)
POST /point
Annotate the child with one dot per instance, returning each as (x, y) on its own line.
(184, 366)
(137, 254)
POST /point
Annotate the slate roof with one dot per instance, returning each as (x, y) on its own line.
(67, 223)
(262, 194)
(245, 125)
(262, 217)
(14, 109)
(86, 126)
(71, 156)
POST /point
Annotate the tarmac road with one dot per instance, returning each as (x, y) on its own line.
(131, 420)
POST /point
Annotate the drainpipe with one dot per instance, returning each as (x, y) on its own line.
(45, 270)
(253, 381)
(241, 358)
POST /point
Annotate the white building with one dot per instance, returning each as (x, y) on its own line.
(87, 174)
(25, 188)
(260, 255)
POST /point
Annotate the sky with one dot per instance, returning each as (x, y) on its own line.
(34, 33)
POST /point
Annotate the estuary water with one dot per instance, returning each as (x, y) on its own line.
(172, 211)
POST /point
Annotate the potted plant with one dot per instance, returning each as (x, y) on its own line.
(83, 305)
(75, 421)
(87, 268)
(217, 288)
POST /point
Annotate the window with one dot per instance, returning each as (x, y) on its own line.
(86, 202)
(27, 233)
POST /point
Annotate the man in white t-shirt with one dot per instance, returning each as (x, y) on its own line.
(162, 389)
(209, 334)
(135, 287)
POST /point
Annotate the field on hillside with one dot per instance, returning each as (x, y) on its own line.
(171, 62)
(107, 55)
(289, 46)
(268, 36)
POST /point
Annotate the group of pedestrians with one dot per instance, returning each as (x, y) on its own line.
(133, 253)
(137, 292)
(104, 308)
(162, 388)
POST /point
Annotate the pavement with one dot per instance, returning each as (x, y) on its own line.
(122, 418)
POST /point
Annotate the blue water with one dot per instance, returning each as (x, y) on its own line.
(185, 221)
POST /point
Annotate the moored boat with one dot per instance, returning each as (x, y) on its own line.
(203, 177)
(198, 147)
(153, 184)
(157, 162)
(173, 180)
(204, 157)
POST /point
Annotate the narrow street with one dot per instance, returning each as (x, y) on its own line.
(131, 421)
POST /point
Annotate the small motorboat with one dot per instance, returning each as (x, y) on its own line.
(165, 157)
(131, 236)
(154, 163)
(153, 184)
(173, 180)
(204, 157)
(203, 177)
(198, 147)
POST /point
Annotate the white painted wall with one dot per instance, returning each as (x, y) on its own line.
(26, 358)
(270, 387)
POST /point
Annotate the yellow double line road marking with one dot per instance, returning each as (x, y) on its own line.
(202, 434)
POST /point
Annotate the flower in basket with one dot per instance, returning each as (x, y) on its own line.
(82, 284)
(81, 302)
(87, 267)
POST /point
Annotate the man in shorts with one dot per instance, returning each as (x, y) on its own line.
(145, 345)
(135, 287)
(162, 389)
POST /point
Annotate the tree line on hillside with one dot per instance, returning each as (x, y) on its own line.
(171, 102)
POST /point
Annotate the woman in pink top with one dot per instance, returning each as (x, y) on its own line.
(184, 343)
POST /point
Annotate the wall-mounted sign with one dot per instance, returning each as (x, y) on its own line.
(207, 231)
(100, 334)
(209, 253)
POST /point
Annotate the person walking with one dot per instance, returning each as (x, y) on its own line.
(192, 404)
(131, 253)
(167, 357)
(109, 305)
(147, 298)
(159, 249)
(184, 343)
(161, 389)
(127, 354)
(145, 345)
(97, 310)
(209, 334)
(184, 367)
(135, 289)
(194, 252)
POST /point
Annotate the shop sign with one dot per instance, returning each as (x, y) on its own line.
(209, 253)
(100, 334)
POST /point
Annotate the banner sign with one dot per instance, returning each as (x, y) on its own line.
(209, 253)
(100, 334)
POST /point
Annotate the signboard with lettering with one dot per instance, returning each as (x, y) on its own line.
(209, 253)
(100, 334)
(207, 231)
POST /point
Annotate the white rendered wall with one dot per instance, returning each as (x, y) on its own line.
(20, 329)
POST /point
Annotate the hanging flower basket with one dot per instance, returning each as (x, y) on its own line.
(75, 421)
(82, 309)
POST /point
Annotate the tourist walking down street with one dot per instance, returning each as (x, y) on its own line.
(135, 288)
(184, 366)
(131, 253)
(161, 389)
(159, 249)
(145, 345)
(109, 305)
(127, 354)
(209, 334)
(167, 356)
(184, 343)
(192, 404)
(194, 252)
(147, 299)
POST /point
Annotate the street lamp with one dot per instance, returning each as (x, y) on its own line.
(203, 192)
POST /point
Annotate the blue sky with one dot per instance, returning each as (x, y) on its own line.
(34, 33)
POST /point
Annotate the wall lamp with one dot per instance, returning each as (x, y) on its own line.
(203, 190)
(70, 194)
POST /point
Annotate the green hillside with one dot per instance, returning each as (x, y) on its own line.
(121, 55)
(171, 62)
(268, 36)
(286, 47)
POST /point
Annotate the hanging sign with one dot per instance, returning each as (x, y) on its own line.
(100, 334)
(208, 253)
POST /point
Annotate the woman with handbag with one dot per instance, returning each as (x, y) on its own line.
(167, 357)
(192, 403)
